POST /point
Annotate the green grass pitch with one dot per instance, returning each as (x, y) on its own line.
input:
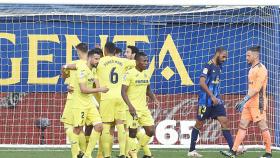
(158, 153)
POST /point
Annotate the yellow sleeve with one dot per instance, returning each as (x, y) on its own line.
(79, 65)
(127, 79)
(82, 76)
(130, 63)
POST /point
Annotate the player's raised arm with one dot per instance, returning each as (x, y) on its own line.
(69, 67)
(65, 70)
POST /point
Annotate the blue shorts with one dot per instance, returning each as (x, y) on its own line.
(204, 112)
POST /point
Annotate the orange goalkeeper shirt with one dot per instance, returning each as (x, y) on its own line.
(257, 78)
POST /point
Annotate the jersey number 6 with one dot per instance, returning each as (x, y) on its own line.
(114, 77)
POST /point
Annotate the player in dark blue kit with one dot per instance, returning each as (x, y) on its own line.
(210, 105)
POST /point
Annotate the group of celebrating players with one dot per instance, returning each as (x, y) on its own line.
(105, 93)
(111, 92)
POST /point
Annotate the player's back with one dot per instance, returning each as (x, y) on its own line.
(258, 77)
(110, 72)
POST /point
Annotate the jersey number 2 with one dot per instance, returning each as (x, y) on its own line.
(114, 77)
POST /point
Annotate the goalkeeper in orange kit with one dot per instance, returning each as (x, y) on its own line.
(254, 104)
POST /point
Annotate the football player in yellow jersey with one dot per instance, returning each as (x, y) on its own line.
(130, 54)
(135, 88)
(110, 71)
(96, 98)
(100, 150)
(82, 50)
(83, 110)
(88, 128)
(66, 118)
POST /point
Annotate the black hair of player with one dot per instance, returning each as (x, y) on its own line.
(139, 54)
(111, 47)
(254, 49)
(118, 50)
(220, 50)
(97, 51)
(133, 49)
(83, 47)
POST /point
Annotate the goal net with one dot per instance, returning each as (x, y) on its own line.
(36, 40)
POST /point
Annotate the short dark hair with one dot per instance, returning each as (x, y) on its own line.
(133, 49)
(254, 48)
(220, 50)
(82, 47)
(111, 47)
(118, 50)
(97, 51)
(139, 54)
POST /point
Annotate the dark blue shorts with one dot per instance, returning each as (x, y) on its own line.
(213, 112)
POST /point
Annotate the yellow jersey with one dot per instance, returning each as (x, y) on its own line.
(83, 75)
(95, 95)
(110, 72)
(137, 83)
(69, 81)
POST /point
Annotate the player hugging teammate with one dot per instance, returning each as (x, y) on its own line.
(110, 83)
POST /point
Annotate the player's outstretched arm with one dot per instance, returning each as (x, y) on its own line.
(97, 84)
(151, 95)
(86, 90)
(70, 66)
(65, 70)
